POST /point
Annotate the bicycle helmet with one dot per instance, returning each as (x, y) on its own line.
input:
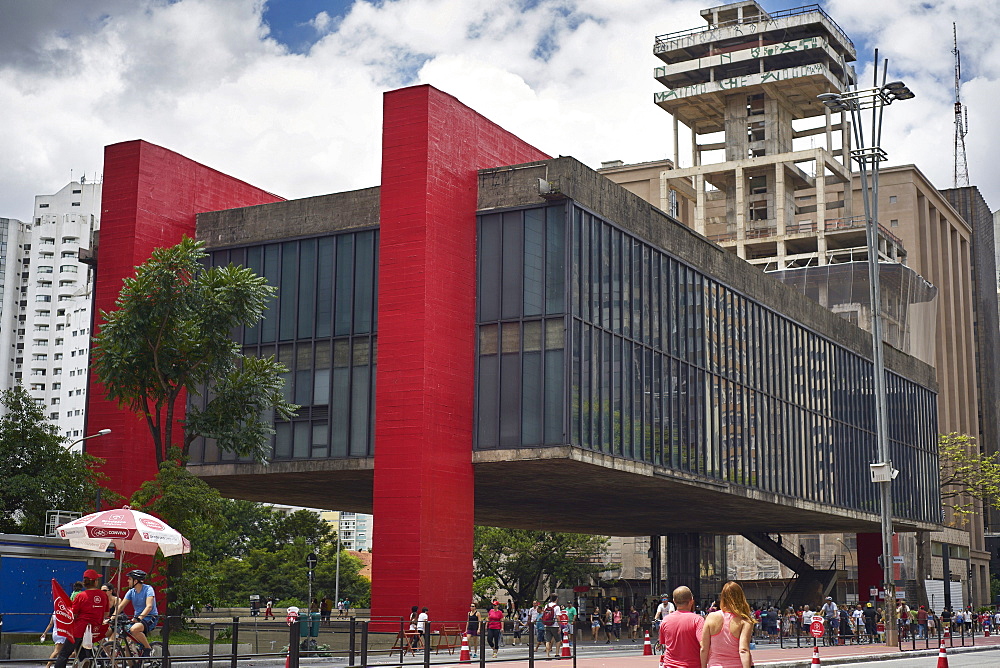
(137, 575)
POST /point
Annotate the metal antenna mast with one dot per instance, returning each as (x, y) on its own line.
(961, 176)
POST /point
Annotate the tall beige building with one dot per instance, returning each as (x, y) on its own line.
(770, 181)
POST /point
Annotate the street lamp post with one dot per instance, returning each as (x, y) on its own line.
(874, 100)
(103, 432)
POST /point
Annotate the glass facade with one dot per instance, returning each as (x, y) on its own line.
(590, 336)
(322, 327)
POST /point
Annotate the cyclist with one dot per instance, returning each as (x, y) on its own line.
(143, 601)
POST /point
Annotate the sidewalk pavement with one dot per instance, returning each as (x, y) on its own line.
(791, 657)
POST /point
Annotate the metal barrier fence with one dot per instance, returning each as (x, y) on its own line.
(909, 634)
(360, 643)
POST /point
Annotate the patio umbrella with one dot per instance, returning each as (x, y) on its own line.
(130, 531)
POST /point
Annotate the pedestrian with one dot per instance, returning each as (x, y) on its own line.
(550, 619)
(539, 626)
(680, 633)
(77, 588)
(633, 623)
(494, 627)
(90, 608)
(725, 638)
(57, 637)
(922, 623)
(422, 620)
(595, 623)
(414, 613)
(609, 624)
(870, 615)
(472, 628)
(510, 609)
(269, 609)
(571, 614)
(326, 609)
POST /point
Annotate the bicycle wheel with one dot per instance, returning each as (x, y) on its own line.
(155, 658)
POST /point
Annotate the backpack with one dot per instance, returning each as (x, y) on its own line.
(549, 615)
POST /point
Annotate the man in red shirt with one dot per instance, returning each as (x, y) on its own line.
(680, 633)
(90, 607)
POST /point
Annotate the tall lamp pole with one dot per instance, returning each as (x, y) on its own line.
(873, 101)
(103, 432)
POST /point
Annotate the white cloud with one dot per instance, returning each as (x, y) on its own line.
(574, 77)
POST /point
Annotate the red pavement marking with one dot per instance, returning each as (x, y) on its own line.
(761, 656)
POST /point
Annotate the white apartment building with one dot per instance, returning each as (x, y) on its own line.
(355, 528)
(53, 335)
(12, 233)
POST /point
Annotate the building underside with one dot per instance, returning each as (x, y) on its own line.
(590, 493)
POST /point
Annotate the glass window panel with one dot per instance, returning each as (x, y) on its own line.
(269, 325)
(510, 397)
(616, 281)
(321, 374)
(489, 267)
(324, 285)
(360, 374)
(555, 334)
(288, 299)
(344, 285)
(487, 413)
(555, 396)
(532, 336)
(285, 356)
(531, 393)
(510, 337)
(604, 279)
(489, 339)
(577, 385)
(301, 440)
(254, 261)
(283, 440)
(320, 440)
(555, 260)
(307, 288)
(511, 294)
(534, 258)
(364, 272)
(340, 403)
(303, 375)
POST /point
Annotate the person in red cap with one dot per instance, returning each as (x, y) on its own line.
(90, 607)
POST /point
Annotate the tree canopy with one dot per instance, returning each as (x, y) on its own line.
(520, 560)
(170, 332)
(240, 548)
(37, 471)
(967, 475)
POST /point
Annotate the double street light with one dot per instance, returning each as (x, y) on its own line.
(870, 103)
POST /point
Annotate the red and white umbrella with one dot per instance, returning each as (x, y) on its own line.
(130, 531)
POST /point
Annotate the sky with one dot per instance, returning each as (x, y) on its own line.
(287, 94)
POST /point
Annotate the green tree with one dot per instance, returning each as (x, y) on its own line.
(521, 560)
(967, 475)
(171, 332)
(37, 472)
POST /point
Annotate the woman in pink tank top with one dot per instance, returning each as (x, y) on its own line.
(725, 639)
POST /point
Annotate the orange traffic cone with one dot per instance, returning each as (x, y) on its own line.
(943, 657)
(565, 654)
(647, 649)
(463, 656)
(815, 661)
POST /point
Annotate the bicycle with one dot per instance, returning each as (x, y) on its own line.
(123, 651)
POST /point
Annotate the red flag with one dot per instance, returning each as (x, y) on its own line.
(63, 611)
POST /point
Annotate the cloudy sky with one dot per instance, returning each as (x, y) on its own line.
(286, 94)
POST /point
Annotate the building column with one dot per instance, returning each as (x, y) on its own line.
(699, 208)
(677, 147)
(423, 488)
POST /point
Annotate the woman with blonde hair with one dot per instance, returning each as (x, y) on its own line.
(725, 639)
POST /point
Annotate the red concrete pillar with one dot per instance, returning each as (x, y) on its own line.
(432, 147)
(869, 572)
(150, 198)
